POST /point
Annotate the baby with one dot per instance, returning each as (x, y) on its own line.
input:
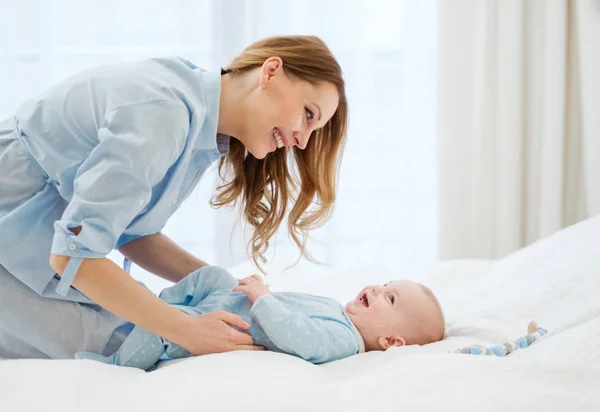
(316, 329)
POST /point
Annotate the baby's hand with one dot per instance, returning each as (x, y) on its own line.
(253, 286)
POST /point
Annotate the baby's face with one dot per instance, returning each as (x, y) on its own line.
(394, 314)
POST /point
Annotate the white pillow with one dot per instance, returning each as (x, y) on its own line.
(555, 281)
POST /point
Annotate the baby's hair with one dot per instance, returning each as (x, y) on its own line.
(441, 331)
(432, 296)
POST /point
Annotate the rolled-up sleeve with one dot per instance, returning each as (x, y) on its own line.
(136, 146)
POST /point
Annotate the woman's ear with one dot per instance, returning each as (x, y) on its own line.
(269, 68)
(387, 341)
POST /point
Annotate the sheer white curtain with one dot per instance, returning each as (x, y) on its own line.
(386, 212)
(519, 125)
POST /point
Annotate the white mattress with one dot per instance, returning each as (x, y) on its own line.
(555, 282)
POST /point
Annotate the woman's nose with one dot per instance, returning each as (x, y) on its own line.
(301, 139)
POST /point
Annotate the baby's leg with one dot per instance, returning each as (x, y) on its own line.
(141, 349)
(198, 285)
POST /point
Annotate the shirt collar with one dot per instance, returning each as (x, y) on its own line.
(361, 341)
(210, 84)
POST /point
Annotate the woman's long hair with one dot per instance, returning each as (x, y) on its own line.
(267, 188)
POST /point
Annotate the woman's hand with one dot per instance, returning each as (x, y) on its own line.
(213, 333)
(253, 286)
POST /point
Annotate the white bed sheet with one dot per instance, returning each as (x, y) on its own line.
(555, 282)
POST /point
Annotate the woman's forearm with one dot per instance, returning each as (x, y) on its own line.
(111, 287)
(160, 255)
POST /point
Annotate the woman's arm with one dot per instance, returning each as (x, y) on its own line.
(160, 255)
(108, 285)
(137, 144)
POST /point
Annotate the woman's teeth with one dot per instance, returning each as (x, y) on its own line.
(277, 138)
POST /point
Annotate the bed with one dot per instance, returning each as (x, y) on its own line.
(555, 282)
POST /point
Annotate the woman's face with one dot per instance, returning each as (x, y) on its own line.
(284, 111)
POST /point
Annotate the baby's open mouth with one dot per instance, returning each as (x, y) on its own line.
(363, 299)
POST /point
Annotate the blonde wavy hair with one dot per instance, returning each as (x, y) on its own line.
(267, 188)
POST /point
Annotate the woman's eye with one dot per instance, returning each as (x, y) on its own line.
(309, 114)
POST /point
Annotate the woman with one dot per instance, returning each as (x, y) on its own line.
(103, 159)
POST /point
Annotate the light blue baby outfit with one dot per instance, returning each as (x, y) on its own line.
(316, 329)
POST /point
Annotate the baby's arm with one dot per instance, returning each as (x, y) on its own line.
(312, 339)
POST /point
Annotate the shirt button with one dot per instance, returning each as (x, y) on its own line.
(141, 202)
(174, 202)
(72, 247)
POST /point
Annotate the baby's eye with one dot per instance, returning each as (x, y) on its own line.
(392, 299)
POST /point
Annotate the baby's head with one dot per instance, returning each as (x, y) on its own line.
(396, 314)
